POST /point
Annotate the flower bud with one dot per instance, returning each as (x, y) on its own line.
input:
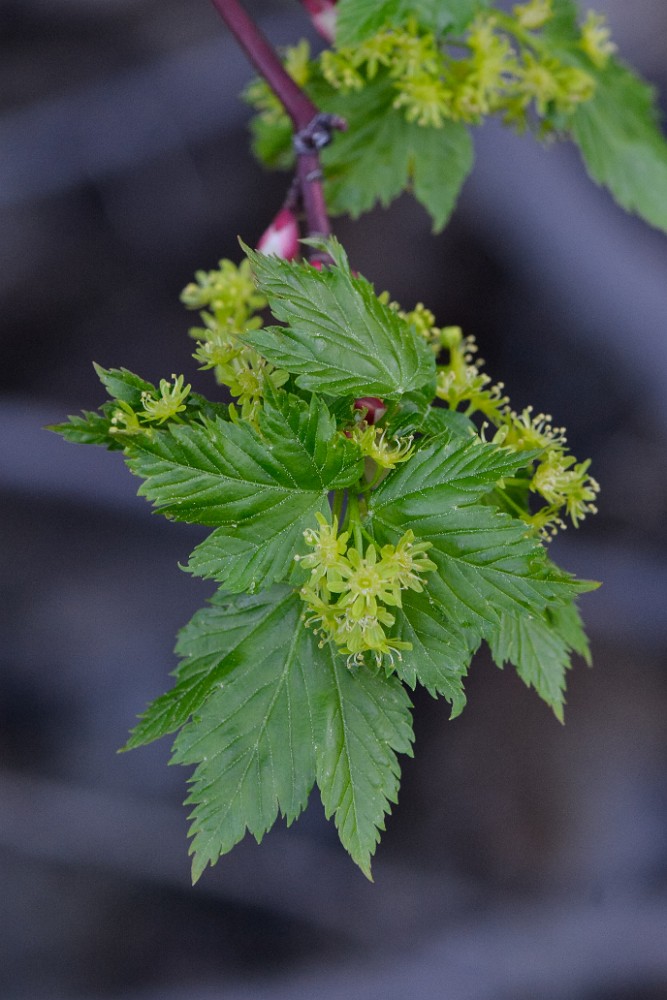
(281, 239)
(375, 408)
(323, 14)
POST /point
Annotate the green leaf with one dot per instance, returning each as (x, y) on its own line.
(272, 141)
(540, 648)
(487, 563)
(361, 721)
(340, 338)
(124, 385)
(562, 26)
(261, 490)
(449, 470)
(567, 622)
(232, 632)
(440, 653)
(89, 428)
(253, 743)
(360, 19)
(441, 418)
(433, 162)
(621, 143)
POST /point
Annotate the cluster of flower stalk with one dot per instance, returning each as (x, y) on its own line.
(351, 588)
(229, 302)
(500, 65)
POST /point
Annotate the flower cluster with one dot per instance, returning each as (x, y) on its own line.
(564, 486)
(533, 15)
(461, 382)
(350, 590)
(506, 68)
(596, 39)
(154, 409)
(374, 444)
(229, 301)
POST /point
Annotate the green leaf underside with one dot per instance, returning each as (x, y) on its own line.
(259, 490)
(434, 162)
(621, 143)
(340, 339)
(362, 720)
(540, 648)
(232, 632)
(440, 653)
(359, 19)
(253, 742)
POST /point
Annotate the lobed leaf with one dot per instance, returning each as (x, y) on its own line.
(434, 162)
(253, 743)
(621, 144)
(91, 427)
(360, 19)
(232, 632)
(260, 490)
(487, 563)
(361, 721)
(449, 470)
(440, 654)
(540, 648)
(123, 384)
(340, 339)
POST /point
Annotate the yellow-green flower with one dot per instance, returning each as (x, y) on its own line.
(407, 560)
(387, 454)
(534, 14)
(427, 100)
(125, 421)
(596, 39)
(171, 401)
(328, 550)
(563, 483)
(362, 582)
(526, 432)
(247, 377)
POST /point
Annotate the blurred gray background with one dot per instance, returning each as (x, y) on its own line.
(525, 861)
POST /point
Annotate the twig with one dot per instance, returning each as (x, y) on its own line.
(312, 128)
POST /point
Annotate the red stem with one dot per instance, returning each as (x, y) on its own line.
(298, 106)
(260, 53)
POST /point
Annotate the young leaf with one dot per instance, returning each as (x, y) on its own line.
(232, 632)
(253, 743)
(361, 721)
(340, 338)
(440, 653)
(260, 490)
(404, 154)
(540, 648)
(621, 143)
